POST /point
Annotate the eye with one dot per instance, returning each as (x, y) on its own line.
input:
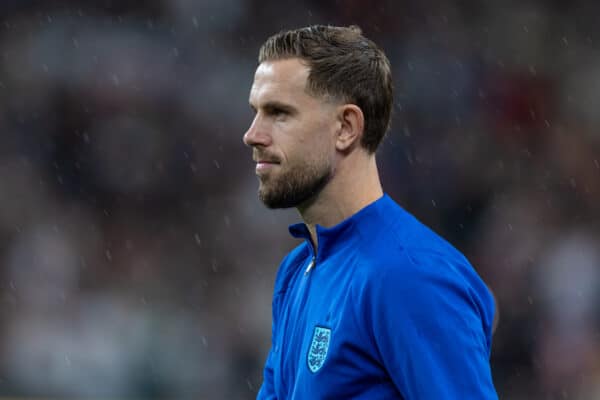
(276, 112)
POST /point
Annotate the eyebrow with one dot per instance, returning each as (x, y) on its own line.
(276, 105)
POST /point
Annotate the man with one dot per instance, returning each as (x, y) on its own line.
(372, 304)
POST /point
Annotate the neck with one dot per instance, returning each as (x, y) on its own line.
(355, 185)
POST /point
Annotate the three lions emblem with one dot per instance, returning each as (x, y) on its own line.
(319, 346)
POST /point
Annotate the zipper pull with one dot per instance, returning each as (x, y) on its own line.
(310, 266)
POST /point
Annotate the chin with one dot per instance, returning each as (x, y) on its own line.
(274, 200)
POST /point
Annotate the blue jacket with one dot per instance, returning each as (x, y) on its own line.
(387, 310)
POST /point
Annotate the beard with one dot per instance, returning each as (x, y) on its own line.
(294, 187)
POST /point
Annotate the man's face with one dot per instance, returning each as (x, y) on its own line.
(292, 135)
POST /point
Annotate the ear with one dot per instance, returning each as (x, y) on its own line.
(352, 125)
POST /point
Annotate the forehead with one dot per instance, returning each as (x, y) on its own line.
(283, 80)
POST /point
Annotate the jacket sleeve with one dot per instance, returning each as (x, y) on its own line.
(267, 389)
(432, 327)
(287, 269)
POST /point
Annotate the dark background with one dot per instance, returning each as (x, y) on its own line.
(135, 258)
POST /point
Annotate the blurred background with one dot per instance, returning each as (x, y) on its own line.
(135, 258)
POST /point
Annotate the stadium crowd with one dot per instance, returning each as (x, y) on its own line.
(135, 258)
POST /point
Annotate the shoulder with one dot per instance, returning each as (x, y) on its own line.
(393, 226)
(420, 269)
(423, 291)
(395, 243)
(404, 264)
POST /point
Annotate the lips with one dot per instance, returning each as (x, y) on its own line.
(265, 158)
(263, 166)
(264, 162)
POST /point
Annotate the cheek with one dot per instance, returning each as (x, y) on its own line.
(308, 155)
(314, 142)
(326, 143)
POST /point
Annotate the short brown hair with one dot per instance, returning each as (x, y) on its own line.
(343, 64)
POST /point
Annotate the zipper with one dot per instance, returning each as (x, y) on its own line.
(310, 266)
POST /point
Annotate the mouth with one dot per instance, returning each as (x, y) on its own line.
(265, 165)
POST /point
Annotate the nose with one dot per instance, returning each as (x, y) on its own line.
(257, 134)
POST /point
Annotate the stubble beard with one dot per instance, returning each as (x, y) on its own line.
(294, 188)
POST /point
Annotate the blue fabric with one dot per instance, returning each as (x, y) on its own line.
(389, 311)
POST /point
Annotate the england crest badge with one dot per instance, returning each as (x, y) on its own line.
(319, 345)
